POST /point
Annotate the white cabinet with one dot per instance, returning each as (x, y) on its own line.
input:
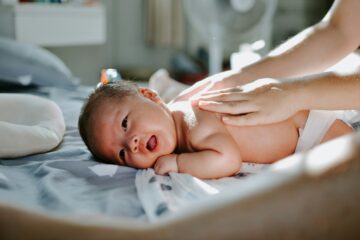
(54, 25)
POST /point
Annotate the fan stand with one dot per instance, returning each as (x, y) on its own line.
(215, 49)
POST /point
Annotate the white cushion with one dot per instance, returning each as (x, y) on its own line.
(28, 125)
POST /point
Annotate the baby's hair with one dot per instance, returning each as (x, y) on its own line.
(116, 91)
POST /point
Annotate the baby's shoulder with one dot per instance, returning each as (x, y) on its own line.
(200, 124)
(207, 124)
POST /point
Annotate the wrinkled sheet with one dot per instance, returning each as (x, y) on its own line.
(68, 180)
(164, 195)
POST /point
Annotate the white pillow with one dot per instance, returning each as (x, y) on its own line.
(28, 125)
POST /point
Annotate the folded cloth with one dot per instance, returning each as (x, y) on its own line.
(352, 117)
(356, 126)
(161, 195)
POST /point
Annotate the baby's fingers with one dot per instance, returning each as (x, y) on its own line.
(160, 169)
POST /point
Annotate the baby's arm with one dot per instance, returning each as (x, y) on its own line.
(220, 158)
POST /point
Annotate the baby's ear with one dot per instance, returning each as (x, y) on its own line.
(150, 94)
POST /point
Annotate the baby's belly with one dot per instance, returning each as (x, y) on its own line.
(267, 143)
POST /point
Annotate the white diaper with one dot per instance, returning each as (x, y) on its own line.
(315, 128)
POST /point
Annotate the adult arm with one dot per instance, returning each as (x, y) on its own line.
(328, 91)
(277, 101)
(311, 51)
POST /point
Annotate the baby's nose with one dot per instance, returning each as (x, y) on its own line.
(134, 144)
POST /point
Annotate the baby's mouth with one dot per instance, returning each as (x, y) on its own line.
(152, 143)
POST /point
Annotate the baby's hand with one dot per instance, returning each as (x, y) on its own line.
(166, 164)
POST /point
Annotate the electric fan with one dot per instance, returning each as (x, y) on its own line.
(225, 24)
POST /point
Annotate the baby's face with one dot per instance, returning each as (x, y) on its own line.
(135, 132)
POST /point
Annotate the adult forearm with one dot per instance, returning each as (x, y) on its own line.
(326, 91)
(316, 48)
(311, 51)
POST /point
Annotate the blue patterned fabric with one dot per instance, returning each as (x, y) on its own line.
(68, 181)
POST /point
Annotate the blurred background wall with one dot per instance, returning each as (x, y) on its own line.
(130, 49)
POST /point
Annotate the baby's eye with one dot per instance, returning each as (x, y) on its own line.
(122, 155)
(124, 123)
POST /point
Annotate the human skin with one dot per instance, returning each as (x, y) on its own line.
(188, 139)
(131, 125)
(147, 117)
(277, 101)
(296, 64)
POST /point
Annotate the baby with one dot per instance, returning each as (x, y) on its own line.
(131, 126)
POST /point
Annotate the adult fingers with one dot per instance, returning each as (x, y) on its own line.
(224, 97)
(231, 107)
(193, 90)
(225, 90)
(249, 119)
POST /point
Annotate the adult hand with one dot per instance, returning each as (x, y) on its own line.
(215, 82)
(251, 104)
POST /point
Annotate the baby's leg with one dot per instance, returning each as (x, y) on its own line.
(337, 129)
